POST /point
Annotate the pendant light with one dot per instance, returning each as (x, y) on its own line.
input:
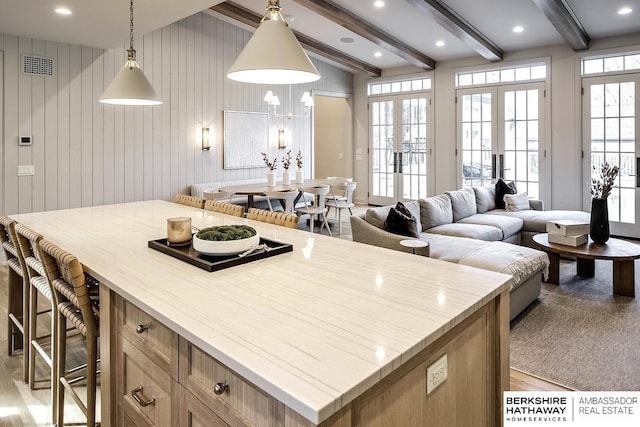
(273, 54)
(130, 86)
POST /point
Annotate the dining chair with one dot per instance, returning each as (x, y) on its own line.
(224, 207)
(347, 188)
(28, 241)
(185, 199)
(76, 299)
(318, 208)
(17, 295)
(337, 195)
(273, 217)
(288, 196)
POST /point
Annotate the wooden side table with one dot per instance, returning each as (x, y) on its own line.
(415, 244)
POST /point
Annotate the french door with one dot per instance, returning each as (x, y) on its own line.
(399, 148)
(610, 129)
(500, 135)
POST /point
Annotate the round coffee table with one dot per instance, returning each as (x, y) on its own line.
(621, 252)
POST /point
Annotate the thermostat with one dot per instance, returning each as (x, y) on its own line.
(24, 140)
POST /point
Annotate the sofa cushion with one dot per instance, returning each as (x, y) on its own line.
(516, 202)
(435, 211)
(401, 221)
(485, 198)
(509, 225)
(502, 188)
(377, 216)
(463, 203)
(474, 231)
(536, 221)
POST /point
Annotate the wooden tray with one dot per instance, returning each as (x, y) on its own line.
(214, 263)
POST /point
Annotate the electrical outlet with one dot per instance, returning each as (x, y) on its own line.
(437, 373)
(26, 170)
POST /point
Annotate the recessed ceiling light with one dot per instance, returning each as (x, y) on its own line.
(439, 43)
(62, 11)
(625, 11)
(377, 54)
(518, 29)
(378, 3)
(346, 40)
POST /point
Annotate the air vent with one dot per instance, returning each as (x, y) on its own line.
(37, 65)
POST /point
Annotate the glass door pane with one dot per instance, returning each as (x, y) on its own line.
(414, 148)
(520, 154)
(476, 137)
(611, 127)
(383, 148)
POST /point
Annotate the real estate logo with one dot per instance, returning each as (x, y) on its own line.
(571, 408)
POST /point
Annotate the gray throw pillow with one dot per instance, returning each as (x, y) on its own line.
(377, 216)
(463, 203)
(485, 198)
(435, 211)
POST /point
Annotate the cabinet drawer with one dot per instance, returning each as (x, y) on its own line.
(154, 339)
(154, 388)
(241, 403)
(194, 413)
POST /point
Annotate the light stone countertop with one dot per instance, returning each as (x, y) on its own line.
(314, 328)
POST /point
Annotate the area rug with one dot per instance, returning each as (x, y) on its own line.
(579, 334)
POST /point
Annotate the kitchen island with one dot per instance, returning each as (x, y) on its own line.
(332, 333)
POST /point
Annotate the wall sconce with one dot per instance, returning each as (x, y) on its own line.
(206, 142)
(282, 142)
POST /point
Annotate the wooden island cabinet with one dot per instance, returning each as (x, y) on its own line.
(286, 340)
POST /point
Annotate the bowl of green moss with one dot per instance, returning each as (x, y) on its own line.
(225, 239)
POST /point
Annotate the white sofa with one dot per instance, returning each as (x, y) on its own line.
(464, 227)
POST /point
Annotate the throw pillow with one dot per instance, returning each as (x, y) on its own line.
(435, 211)
(463, 203)
(503, 188)
(377, 216)
(485, 198)
(400, 221)
(516, 202)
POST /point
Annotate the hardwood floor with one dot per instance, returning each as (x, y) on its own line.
(21, 407)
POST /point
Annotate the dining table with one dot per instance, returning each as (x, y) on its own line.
(328, 332)
(259, 189)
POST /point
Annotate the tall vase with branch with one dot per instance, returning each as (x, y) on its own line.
(286, 163)
(272, 166)
(601, 186)
(299, 172)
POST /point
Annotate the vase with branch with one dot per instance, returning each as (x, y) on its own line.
(272, 166)
(299, 172)
(286, 163)
(602, 182)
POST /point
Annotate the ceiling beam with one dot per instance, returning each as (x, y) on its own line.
(460, 28)
(252, 19)
(566, 22)
(353, 23)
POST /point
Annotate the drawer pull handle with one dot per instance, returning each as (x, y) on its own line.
(220, 388)
(142, 328)
(142, 401)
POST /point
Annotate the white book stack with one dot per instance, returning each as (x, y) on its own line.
(568, 232)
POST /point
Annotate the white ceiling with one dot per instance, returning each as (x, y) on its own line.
(105, 23)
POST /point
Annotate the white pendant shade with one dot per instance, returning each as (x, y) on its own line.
(273, 56)
(130, 87)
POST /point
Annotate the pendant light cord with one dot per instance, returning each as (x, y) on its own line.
(131, 52)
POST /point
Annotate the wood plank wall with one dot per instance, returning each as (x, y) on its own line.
(86, 153)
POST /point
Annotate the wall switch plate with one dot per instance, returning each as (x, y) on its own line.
(437, 373)
(26, 170)
(340, 156)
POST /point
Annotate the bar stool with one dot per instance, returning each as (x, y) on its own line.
(17, 294)
(38, 286)
(224, 207)
(76, 299)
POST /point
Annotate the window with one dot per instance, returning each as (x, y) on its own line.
(611, 64)
(503, 75)
(399, 86)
